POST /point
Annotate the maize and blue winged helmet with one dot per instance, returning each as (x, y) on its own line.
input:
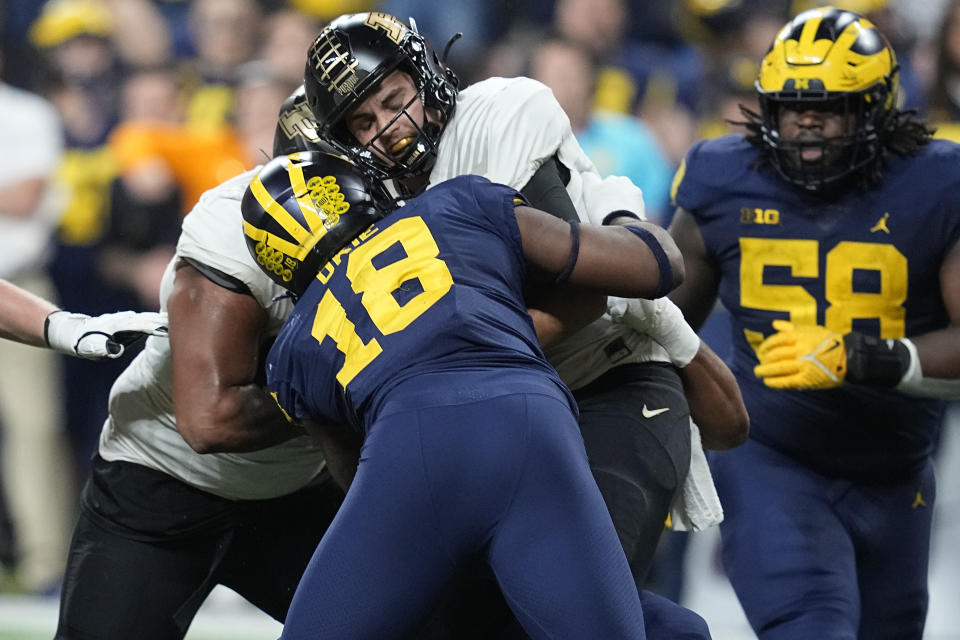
(302, 208)
(831, 60)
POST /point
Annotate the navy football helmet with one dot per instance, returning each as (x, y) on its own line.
(301, 209)
(349, 59)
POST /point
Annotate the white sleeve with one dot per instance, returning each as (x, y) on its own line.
(531, 127)
(505, 128)
(213, 235)
(603, 195)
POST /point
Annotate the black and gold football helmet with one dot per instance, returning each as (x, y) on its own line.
(350, 58)
(827, 59)
(301, 209)
(296, 127)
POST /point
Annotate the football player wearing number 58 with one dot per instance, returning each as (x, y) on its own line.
(830, 233)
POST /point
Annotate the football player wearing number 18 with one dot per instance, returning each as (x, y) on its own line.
(383, 98)
(413, 331)
(833, 226)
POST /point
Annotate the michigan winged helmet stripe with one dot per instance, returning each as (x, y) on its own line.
(305, 239)
(319, 192)
(827, 50)
(830, 61)
(301, 209)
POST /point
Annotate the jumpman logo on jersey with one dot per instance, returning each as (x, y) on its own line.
(918, 501)
(881, 224)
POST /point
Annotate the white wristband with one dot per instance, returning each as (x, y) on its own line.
(915, 384)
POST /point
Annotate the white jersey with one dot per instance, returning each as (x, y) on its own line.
(141, 426)
(504, 129)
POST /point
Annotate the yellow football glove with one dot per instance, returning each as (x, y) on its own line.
(802, 357)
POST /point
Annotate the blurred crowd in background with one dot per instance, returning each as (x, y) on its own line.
(116, 115)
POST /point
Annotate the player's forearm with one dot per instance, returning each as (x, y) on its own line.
(715, 401)
(233, 419)
(22, 315)
(216, 336)
(638, 260)
(939, 353)
(558, 312)
(933, 369)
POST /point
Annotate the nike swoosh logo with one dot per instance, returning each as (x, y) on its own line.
(836, 343)
(648, 413)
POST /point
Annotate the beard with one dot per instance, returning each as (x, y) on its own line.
(812, 152)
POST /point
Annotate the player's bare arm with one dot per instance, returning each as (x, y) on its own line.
(611, 258)
(215, 339)
(939, 351)
(22, 315)
(560, 311)
(715, 401)
(711, 389)
(697, 295)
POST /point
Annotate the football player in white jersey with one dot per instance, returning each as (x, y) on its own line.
(383, 97)
(199, 479)
(31, 320)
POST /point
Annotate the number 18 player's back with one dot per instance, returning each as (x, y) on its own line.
(427, 304)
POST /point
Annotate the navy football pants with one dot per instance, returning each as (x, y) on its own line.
(817, 557)
(505, 479)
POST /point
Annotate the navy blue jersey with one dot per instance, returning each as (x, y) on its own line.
(426, 306)
(866, 261)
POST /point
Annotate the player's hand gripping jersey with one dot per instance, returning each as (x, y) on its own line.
(869, 263)
(427, 304)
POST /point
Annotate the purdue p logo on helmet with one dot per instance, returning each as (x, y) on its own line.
(832, 60)
(301, 209)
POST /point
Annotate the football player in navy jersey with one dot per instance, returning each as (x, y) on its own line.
(384, 98)
(830, 233)
(411, 332)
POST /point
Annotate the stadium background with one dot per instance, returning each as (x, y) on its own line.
(161, 99)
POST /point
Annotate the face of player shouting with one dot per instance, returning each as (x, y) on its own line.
(391, 119)
(813, 129)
